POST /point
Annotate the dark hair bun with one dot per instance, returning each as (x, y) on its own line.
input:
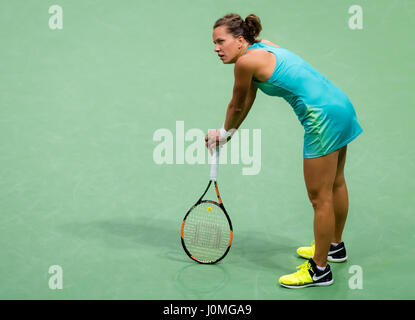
(253, 27)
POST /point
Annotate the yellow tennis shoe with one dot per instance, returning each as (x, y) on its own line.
(308, 275)
(307, 252)
(337, 253)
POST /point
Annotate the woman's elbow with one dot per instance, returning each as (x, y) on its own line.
(235, 108)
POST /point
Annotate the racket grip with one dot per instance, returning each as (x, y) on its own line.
(215, 163)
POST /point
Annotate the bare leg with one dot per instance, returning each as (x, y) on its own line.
(319, 175)
(340, 197)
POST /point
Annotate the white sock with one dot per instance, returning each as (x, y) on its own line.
(335, 244)
(320, 268)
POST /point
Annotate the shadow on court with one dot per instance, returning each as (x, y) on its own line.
(128, 233)
(266, 253)
(252, 267)
(163, 236)
(196, 281)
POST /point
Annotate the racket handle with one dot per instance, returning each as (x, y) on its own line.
(215, 163)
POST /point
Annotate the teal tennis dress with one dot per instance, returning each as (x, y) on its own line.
(324, 110)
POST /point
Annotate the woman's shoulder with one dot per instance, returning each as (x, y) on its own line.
(258, 52)
(256, 58)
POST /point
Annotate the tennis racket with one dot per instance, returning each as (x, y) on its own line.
(206, 231)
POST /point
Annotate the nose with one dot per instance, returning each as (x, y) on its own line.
(216, 49)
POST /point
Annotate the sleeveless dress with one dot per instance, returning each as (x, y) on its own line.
(324, 110)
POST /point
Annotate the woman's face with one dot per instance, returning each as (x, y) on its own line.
(226, 46)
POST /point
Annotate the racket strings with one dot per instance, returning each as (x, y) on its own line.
(206, 232)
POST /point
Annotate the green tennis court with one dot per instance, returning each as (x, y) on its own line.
(82, 188)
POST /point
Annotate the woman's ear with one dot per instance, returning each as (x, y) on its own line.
(240, 40)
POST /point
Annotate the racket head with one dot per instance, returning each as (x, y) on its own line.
(206, 232)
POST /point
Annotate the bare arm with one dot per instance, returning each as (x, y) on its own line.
(244, 93)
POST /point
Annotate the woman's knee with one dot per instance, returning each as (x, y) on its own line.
(320, 198)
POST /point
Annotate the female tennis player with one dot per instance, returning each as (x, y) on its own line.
(329, 121)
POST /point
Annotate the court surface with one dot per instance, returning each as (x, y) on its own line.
(80, 187)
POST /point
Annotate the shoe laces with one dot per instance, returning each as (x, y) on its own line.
(303, 273)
